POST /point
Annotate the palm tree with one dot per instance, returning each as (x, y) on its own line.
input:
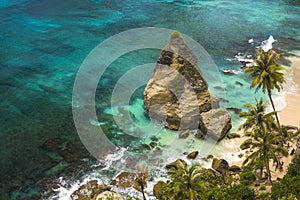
(182, 177)
(266, 74)
(186, 182)
(256, 117)
(266, 147)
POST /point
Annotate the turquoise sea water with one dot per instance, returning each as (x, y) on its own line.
(43, 44)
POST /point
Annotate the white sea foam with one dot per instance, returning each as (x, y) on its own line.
(266, 45)
(247, 59)
(116, 156)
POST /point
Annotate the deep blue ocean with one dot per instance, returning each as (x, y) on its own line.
(44, 42)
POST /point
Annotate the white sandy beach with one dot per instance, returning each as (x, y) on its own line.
(290, 115)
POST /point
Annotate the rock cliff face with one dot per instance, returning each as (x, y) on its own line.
(177, 94)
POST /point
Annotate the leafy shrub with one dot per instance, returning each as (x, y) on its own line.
(265, 196)
(247, 176)
(236, 192)
(263, 187)
(290, 197)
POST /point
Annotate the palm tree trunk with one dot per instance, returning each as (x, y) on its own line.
(261, 173)
(273, 106)
(144, 197)
(269, 171)
(140, 182)
(191, 194)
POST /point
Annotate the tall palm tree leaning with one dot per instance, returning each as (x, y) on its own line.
(267, 75)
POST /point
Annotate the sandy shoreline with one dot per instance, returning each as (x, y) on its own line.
(289, 115)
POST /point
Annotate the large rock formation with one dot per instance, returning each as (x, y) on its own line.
(177, 94)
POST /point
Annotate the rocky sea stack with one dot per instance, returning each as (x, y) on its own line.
(177, 95)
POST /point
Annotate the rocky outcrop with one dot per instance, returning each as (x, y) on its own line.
(108, 195)
(220, 165)
(234, 168)
(177, 93)
(128, 179)
(158, 187)
(177, 164)
(89, 191)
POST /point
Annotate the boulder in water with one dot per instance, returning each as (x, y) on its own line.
(177, 164)
(192, 155)
(218, 123)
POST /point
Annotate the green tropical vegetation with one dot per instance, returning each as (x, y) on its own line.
(247, 176)
(196, 183)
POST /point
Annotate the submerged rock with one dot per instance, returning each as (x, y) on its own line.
(177, 95)
(236, 111)
(184, 134)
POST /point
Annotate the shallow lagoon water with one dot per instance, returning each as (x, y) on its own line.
(43, 44)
